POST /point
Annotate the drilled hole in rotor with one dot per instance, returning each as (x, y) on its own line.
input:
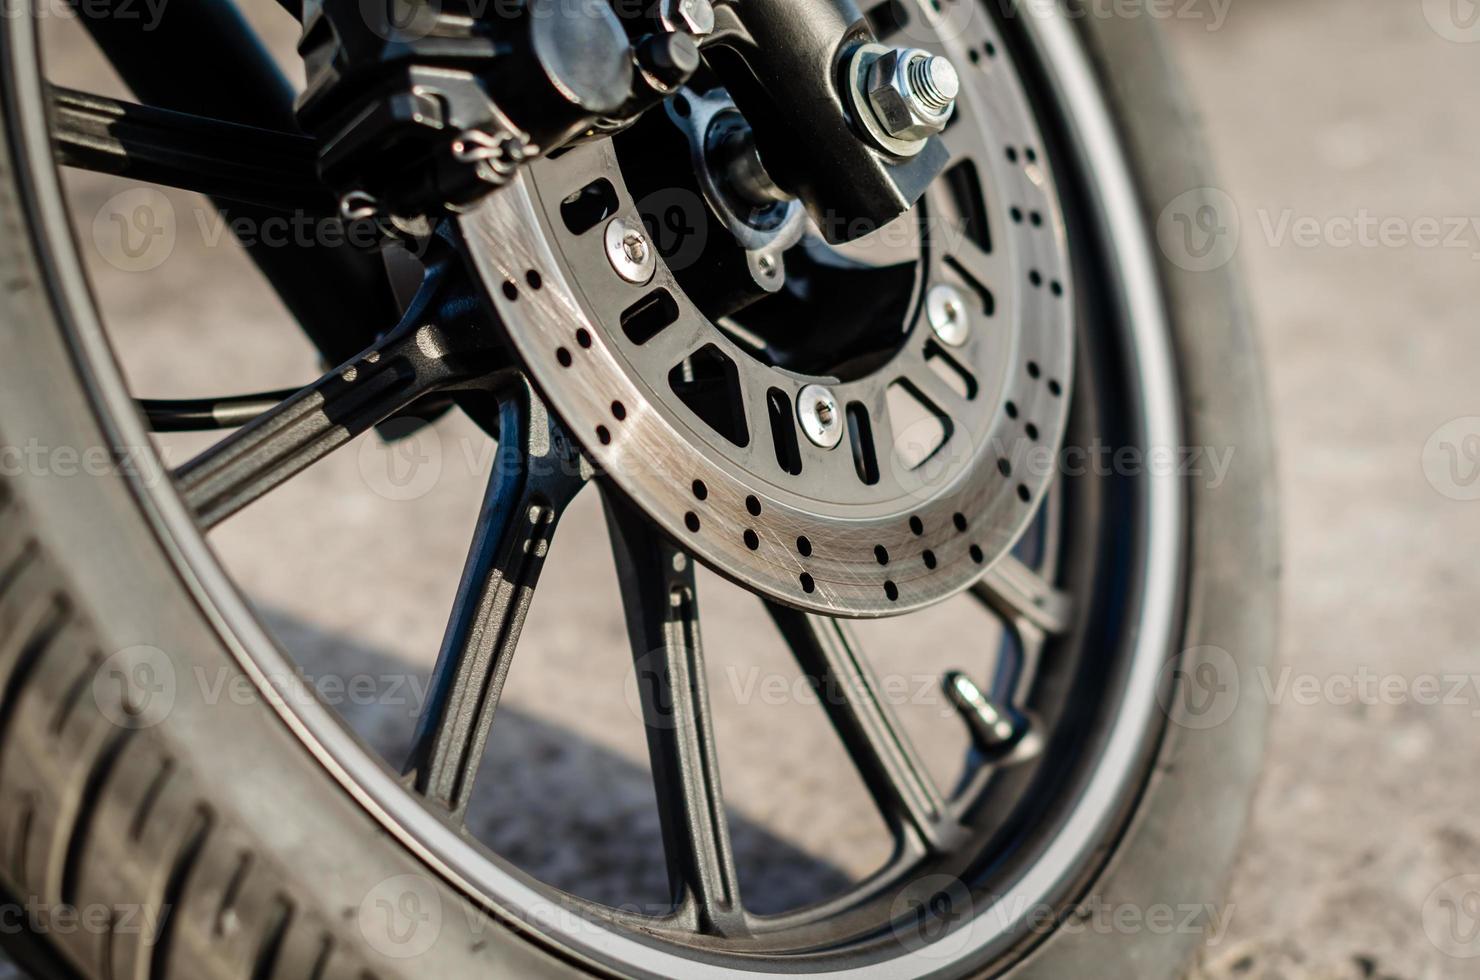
(753, 505)
(691, 521)
(533, 278)
(1024, 494)
(1056, 287)
(583, 337)
(1033, 369)
(589, 206)
(563, 356)
(1011, 409)
(881, 554)
(960, 521)
(1054, 388)
(511, 291)
(929, 557)
(1032, 431)
(1036, 278)
(1004, 467)
(701, 492)
(807, 584)
(804, 547)
(976, 554)
(752, 540)
(619, 411)
(604, 434)
(891, 590)
(917, 526)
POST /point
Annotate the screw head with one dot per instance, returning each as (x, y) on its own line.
(820, 415)
(946, 310)
(629, 251)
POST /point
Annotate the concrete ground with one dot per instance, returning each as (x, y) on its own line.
(1344, 137)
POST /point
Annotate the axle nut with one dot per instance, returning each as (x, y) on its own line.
(912, 92)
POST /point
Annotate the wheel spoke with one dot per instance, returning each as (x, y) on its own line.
(204, 414)
(418, 357)
(1014, 591)
(659, 597)
(901, 786)
(225, 160)
(537, 474)
(203, 58)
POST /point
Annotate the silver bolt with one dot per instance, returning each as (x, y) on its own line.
(629, 251)
(912, 92)
(822, 420)
(694, 16)
(934, 81)
(946, 311)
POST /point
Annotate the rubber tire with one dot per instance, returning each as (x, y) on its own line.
(216, 823)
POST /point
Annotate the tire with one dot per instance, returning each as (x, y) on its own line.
(208, 841)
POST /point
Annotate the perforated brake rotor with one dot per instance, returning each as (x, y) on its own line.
(946, 449)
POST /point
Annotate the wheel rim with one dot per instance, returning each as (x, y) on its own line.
(1055, 867)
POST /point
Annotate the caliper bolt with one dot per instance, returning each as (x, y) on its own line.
(821, 418)
(629, 251)
(912, 92)
(946, 310)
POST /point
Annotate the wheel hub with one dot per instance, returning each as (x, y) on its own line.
(833, 450)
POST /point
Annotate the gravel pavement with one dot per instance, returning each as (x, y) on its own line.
(1342, 130)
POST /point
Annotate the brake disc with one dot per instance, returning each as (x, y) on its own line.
(849, 492)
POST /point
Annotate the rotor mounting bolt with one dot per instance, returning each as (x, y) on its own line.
(820, 416)
(945, 308)
(629, 251)
(912, 92)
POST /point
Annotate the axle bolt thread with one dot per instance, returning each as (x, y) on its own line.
(935, 82)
